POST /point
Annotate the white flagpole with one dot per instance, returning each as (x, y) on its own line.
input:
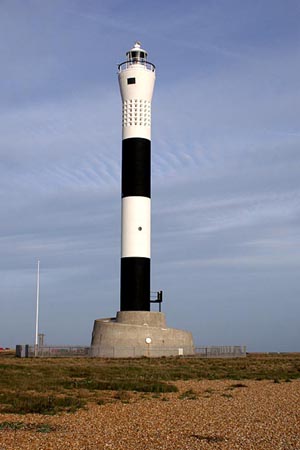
(36, 346)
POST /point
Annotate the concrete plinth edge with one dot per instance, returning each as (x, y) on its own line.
(138, 333)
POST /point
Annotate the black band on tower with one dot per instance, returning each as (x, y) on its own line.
(136, 167)
(135, 284)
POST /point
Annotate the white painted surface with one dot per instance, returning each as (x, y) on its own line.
(136, 100)
(136, 118)
(136, 214)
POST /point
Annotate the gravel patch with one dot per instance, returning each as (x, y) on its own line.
(229, 415)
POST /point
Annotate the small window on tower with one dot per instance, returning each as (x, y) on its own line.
(130, 80)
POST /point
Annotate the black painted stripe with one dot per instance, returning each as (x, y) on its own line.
(135, 284)
(136, 167)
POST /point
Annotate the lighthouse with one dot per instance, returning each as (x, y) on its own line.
(136, 79)
(136, 330)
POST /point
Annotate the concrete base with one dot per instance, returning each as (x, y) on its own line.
(139, 333)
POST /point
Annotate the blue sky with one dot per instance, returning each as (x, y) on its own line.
(225, 166)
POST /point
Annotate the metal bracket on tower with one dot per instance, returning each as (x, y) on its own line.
(156, 297)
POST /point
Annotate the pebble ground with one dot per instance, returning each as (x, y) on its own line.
(245, 415)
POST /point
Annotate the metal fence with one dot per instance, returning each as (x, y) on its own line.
(223, 351)
(64, 351)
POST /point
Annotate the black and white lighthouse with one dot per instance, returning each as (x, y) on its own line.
(136, 331)
(136, 80)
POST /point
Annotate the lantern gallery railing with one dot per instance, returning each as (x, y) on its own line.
(138, 62)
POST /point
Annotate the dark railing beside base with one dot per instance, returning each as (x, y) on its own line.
(157, 297)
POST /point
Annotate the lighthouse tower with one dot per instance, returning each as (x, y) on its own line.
(136, 331)
(136, 80)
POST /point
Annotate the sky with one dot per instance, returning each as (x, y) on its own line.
(225, 166)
